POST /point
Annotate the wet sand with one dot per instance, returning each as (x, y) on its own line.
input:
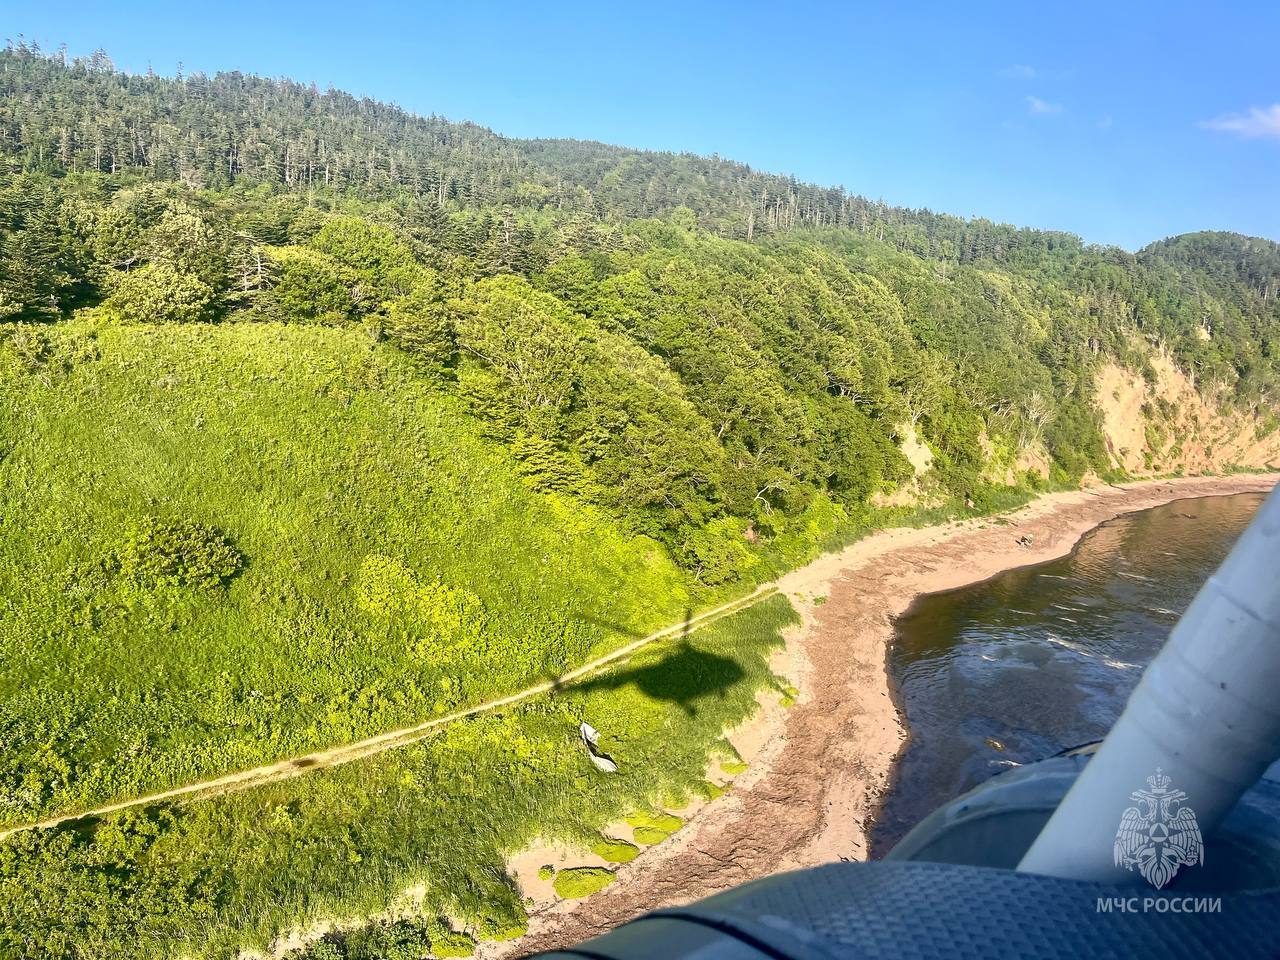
(812, 792)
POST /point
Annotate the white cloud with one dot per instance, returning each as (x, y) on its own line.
(1042, 108)
(1018, 71)
(1258, 123)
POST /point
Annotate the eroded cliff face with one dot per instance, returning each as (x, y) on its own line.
(920, 456)
(1151, 427)
(1167, 426)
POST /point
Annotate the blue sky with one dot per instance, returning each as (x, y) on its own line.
(1123, 122)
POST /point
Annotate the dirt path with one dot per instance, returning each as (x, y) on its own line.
(808, 799)
(332, 756)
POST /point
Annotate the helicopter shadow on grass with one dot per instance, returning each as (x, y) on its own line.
(682, 674)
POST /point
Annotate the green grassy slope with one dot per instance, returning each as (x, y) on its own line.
(394, 567)
(206, 878)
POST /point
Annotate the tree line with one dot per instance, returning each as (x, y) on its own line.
(636, 327)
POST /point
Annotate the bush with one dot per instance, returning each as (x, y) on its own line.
(495, 927)
(718, 552)
(651, 828)
(615, 851)
(180, 553)
(451, 943)
(320, 950)
(382, 260)
(667, 822)
(544, 467)
(409, 939)
(528, 351)
(578, 882)
(398, 940)
(420, 325)
(709, 791)
(157, 293)
(312, 288)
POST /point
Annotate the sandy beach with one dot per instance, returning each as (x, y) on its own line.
(823, 765)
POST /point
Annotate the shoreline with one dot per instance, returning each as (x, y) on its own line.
(895, 692)
(819, 782)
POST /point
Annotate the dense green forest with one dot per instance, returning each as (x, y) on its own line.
(636, 290)
(319, 418)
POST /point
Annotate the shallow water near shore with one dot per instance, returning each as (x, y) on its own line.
(1043, 658)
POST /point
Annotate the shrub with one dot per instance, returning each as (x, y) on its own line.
(451, 943)
(420, 325)
(157, 293)
(319, 950)
(373, 250)
(578, 882)
(544, 467)
(718, 551)
(495, 927)
(312, 288)
(30, 345)
(615, 851)
(709, 791)
(546, 872)
(529, 354)
(658, 821)
(787, 694)
(398, 940)
(409, 939)
(651, 828)
(180, 553)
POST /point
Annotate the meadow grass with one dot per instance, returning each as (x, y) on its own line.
(444, 815)
(394, 565)
(390, 564)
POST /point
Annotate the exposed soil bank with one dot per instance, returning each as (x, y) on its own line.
(809, 796)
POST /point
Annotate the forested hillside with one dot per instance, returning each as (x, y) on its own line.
(318, 418)
(237, 198)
